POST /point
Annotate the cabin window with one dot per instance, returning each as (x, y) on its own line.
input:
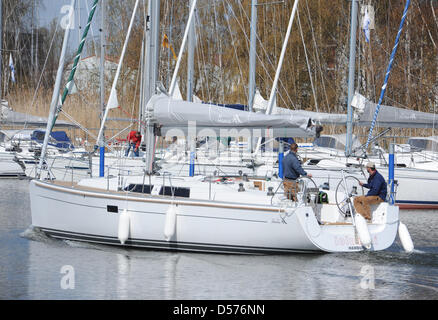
(313, 162)
(419, 144)
(325, 142)
(140, 188)
(175, 191)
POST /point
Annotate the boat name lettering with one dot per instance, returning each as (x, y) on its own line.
(345, 241)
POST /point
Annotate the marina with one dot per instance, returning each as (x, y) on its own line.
(182, 197)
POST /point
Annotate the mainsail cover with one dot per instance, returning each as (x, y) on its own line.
(391, 116)
(180, 115)
(9, 117)
(319, 117)
(261, 103)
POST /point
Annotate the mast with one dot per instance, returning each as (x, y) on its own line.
(252, 55)
(351, 70)
(155, 24)
(141, 107)
(145, 67)
(191, 58)
(151, 73)
(55, 96)
(1, 47)
(102, 90)
(252, 64)
(153, 48)
(32, 66)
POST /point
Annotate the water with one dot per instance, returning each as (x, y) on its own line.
(33, 266)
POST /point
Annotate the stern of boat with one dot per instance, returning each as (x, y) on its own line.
(331, 232)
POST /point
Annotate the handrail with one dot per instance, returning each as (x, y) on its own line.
(275, 192)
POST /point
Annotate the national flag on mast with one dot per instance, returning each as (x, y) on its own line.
(366, 25)
(11, 65)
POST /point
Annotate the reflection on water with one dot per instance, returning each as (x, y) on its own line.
(31, 266)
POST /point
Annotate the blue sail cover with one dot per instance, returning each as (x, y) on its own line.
(59, 139)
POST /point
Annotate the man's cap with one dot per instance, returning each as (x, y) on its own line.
(371, 165)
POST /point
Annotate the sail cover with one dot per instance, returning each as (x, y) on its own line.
(175, 115)
(9, 117)
(389, 116)
(319, 117)
(261, 103)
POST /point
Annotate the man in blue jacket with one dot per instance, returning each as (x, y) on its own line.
(376, 194)
(292, 170)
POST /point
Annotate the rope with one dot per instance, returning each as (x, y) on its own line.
(394, 50)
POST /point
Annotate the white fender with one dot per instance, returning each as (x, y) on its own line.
(362, 230)
(124, 222)
(170, 222)
(405, 237)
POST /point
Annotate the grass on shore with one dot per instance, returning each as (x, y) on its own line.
(83, 107)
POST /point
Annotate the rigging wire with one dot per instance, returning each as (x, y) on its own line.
(308, 64)
(203, 65)
(42, 71)
(266, 55)
(220, 53)
(233, 42)
(260, 59)
(317, 59)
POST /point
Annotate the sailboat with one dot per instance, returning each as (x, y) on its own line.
(20, 143)
(201, 214)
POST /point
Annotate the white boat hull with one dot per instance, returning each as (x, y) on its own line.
(9, 168)
(84, 215)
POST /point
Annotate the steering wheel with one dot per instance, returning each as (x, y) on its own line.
(299, 180)
(344, 194)
(302, 183)
(310, 179)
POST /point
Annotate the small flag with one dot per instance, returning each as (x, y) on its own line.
(366, 25)
(166, 44)
(11, 65)
(112, 101)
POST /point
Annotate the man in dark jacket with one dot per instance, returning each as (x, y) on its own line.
(376, 194)
(292, 170)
